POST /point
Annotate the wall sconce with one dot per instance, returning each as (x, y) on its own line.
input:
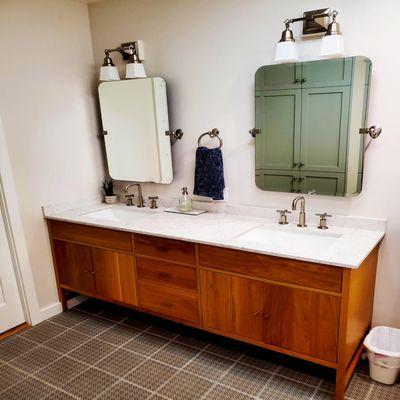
(131, 52)
(313, 23)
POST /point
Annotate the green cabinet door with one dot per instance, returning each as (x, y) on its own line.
(280, 76)
(324, 73)
(278, 116)
(322, 183)
(277, 180)
(324, 125)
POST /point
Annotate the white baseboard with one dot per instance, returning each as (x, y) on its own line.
(50, 311)
(56, 308)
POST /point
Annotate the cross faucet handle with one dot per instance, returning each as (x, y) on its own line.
(129, 199)
(322, 220)
(153, 202)
(283, 217)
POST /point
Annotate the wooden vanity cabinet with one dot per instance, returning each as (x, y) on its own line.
(311, 311)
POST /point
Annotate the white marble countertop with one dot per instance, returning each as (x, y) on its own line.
(346, 243)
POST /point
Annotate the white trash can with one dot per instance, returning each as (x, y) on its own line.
(383, 351)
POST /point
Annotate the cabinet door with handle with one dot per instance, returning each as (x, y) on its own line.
(278, 116)
(279, 76)
(114, 275)
(74, 266)
(300, 320)
(232, 304)
(277, 180)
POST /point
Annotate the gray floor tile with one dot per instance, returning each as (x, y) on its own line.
(246, 379)
(29, 389)
(227, 348)
(125, 391)
(120, 363)
(185, 386)
(70, 318)
(151, 374)
(92, 351)
(9, 376)
(14, 347)
(35, 359)
(61, 371)
(119, 334)
(209, 366)
(60, 395)
(260, 358)
(67, 341)
(383, 392)
(146, 344)
(176, 354)
(285, 389)
(93, 326)
(301, 371)
(358, 387)
(323, 395)
(90, 384)
(223, 393)
(43, 332)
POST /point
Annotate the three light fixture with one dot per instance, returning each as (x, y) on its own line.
(332, 45)
(132, 52)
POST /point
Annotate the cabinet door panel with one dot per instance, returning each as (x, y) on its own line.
(324, 73)
(277, 180)
(74, 265)
(232, 304)
(323, 183)
(278, 116)
(324, 128)
(302, 321)
(280, 76)
(114, 275)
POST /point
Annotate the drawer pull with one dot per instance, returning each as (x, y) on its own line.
(166, 304)
(257, 313)
(266, 316)
(165, 275)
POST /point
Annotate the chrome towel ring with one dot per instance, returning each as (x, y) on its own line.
(213, 134)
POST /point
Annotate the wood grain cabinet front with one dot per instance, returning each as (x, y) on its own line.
(307, 310)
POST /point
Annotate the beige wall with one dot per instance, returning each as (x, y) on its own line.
(49, 117)
(208, 51)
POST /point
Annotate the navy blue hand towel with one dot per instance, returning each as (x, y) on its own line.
(209, 173)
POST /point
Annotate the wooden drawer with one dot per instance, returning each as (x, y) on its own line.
(167, 249)
(166, 274)
(109, 238)
(167, 301)
(277, 269)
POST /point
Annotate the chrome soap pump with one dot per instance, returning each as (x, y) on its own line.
(185, 202)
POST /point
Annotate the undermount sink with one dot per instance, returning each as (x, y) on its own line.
(296, 238)
(119, 214)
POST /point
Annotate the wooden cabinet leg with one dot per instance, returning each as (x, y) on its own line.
(340, 386)
(63, 298)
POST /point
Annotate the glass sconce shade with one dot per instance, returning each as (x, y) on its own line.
(109, 73)
(286, 52)
(332, 46)
(135, 70)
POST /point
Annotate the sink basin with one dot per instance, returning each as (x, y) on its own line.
(295, 239)
(119, 214)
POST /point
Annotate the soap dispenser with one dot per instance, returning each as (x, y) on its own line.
(185, 202)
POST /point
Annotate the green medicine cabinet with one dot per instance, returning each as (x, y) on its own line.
(308, 117)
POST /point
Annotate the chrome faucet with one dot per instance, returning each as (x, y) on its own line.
(302, 214)
(129, 201)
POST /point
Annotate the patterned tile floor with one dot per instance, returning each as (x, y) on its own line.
(103, 352)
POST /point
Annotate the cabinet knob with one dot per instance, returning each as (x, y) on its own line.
(301, 164)
(257, 313)
(301, 178)
(294, 178)
(266, 316)
(304, 80)
(295, 164)
(297, 80)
